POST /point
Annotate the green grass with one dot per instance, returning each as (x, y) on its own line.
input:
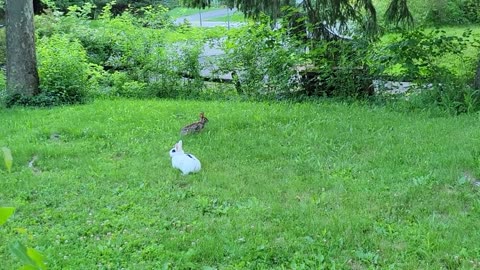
(304, 186)
(181, 12)
(234, 17)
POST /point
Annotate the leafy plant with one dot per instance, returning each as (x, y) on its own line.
(124, 86)
(5, 213)
(29, 257)
(8, 159)
(340, 69)
(261, 60)
(64, 70)
(414, 54)
(445, 12)
(154, 17)
(471, 9)
(417, 56)
(83, 12)
(107, 10)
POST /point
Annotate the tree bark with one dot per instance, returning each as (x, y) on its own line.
(22, 74)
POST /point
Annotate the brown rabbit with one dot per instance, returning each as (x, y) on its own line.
(195, 127)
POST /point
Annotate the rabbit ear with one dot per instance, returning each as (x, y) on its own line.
(178, 146)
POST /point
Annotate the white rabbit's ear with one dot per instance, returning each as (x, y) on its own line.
(178, 146)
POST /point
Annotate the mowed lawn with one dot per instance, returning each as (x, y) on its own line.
(283, 186)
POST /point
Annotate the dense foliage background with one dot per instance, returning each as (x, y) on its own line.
(141, 53)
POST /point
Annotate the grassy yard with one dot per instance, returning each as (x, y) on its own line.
(180, 11)
(236, 16)
(290, 186)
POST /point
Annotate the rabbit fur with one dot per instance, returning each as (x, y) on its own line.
(195, 127)
(187, 163)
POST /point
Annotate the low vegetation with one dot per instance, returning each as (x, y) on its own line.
(306, 185)
(439, 12)
(142, 54)
(236, 16)
(181, 12)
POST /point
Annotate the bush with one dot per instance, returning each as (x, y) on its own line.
(123, 46)
(175, 72)
(121, 85)
(413, 55)
(452, 97)
(154, 17)
(450, 12)
(272, 63)
(64, 70)
(445, 12)
(341, 69)
(471, 10)
(262, 60)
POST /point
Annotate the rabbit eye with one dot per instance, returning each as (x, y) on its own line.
(173, 150)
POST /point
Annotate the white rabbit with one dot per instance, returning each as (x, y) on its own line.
(187, 163)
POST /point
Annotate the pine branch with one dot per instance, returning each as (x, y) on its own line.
(398, 13)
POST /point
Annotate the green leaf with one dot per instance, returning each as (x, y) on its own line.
(20, 251)
(7, 156)
(5, 213)
(35, 256)
(29, 257)
(27, 267)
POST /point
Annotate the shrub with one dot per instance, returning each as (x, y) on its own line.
(64, 70)
(262, 60)
(452, 97)
(148, 67)
(154, 17)
(471, 10)
(121, 85)
(175, 72)
(445, 12)
(341, 69)
(413, 55)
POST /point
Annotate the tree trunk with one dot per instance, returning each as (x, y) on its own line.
(476, 82)
(22, 74)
